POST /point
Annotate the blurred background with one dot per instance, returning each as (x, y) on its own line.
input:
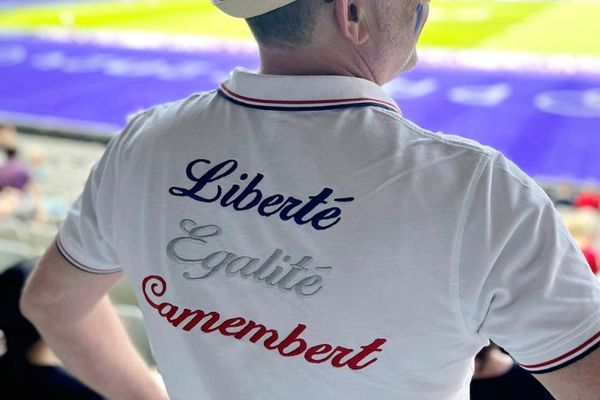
(521, 76)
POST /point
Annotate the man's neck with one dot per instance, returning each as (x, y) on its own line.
(313, 62)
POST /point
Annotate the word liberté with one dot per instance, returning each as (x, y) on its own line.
(286, 207)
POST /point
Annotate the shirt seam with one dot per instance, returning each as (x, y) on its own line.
(547, 202)
(415, 128)
(458, 241)
(533, 189)
(462, 223)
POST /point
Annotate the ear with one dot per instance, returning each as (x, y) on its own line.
(350, 18)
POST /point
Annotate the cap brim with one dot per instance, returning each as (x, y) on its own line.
(249, 8)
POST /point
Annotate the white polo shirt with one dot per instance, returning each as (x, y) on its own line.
(294, 237)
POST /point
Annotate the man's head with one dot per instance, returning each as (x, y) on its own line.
(291, 26)
(376, 37)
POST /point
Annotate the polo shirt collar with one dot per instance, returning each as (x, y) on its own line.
(303, 93)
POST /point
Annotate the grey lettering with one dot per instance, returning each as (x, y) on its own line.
(307, 283)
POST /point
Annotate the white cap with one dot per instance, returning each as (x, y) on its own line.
(249, 8)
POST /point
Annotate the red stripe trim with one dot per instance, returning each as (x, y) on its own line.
(306, 102)
(566, 355)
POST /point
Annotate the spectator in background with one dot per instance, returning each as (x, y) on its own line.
(584, 225)
(498, 377)
(28, 368)
(563, 194)
(13, 172)
(19, 195)
(588, 196)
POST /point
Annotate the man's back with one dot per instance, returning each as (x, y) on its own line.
(291, 236)
(295, 236)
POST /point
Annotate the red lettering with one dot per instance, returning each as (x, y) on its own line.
(261, 330)
(231, 323)
(316, 350)
(157, 288)
(167, 310)
(293, 338)
(342, 352)
(292, 345)
(198, 315)
(364, 353)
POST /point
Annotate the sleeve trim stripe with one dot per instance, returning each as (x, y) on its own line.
(571, 361)
(566, 358)
(73, 261)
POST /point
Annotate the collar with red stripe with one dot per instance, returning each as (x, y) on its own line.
(303, 93)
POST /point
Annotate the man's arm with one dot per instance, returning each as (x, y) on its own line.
(578, 381)
(73, 314)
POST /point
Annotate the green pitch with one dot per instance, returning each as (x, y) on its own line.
(567, 26)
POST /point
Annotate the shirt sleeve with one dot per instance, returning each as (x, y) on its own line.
(523, 282)
(86, 236)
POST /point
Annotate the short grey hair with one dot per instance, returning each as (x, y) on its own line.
(290, 26)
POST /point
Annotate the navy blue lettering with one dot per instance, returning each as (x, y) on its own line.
(249, 190)
(314, 201)
(230, 193)
(268, 202)
(288, 208)
(328, 213)
(210, 176)
(243, 198)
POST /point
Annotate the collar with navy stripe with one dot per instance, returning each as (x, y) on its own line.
(303, 93)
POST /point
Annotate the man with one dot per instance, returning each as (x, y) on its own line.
(291, 235)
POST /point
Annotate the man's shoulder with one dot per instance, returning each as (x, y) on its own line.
(166, 113)
(160, 120)
(439, 145)
(471, 159)
(451, 141)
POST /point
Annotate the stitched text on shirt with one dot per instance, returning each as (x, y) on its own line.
(208, 187)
